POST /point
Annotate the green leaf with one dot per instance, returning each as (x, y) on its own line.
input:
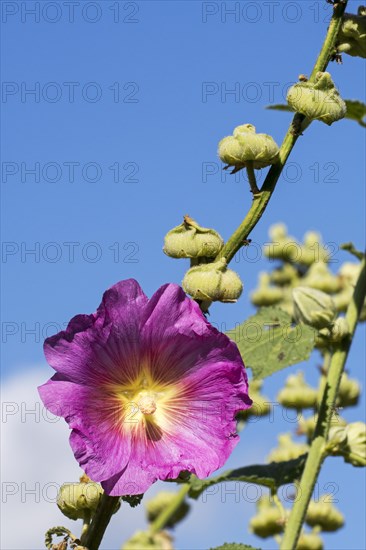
(271, 475)
(268, 341)
(234, 546)
(356, 110)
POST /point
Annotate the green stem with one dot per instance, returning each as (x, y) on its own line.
(86, 523)
(93, 536)
(261, 201)
(252, 179)
(166, 514)
(317, 452)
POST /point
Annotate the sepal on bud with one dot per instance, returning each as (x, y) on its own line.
(245, 145)
(190, 240)
(319, 100)
(313, 307)
(214, 282)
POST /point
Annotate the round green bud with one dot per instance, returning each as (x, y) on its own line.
(146, 541)
(266, 295)
(352, 35)
(190, 240)
(160, 502)
(285, 275)
(313, 307)
(356, 444)
(287, 449)
(297, 394)
(349, 442)
(79, 500)
(349, 391)
(309, 541)
(324, 514)
(268, 521)
(306, 426)
(319, 100)
(339, 330)
(214, 282)
(319, 277)
(245, 145)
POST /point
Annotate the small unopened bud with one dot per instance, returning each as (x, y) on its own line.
(190, 240)
(306, 426)
(268, 521)
(349, 391)
(309, 541)
(146, 541)
(340, 330)
(352, 35)
(214, 282)
(266, 295)
(245, 145)
(285, 275)
(297, 394)
(313, 307)
(79, 500)
(287, 449)
(349, 442)
(317, 101)
(324, 514)
(321, 278)
(162, 500)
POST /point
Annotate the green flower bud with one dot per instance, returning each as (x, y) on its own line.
(352, 35)
(265, 295)
(162, 500)
(213, 282)
(79, 500)
(145, 541)
(313, 307)
(306, 426)
(297, 394)
(321, 278)
(313, 251)
(324, 514)
(309, 541)
(190, 240)
(287, 449)
(317, 101)
(245, 145)
(339, 330)
(268, 521)
(349, 442)
(285, 275)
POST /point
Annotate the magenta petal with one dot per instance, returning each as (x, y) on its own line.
(86, 412)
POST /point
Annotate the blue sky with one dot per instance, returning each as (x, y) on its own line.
(118, 141)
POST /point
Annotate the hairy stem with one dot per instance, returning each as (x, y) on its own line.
(166, 514)
(261, 200)
(317, 454)
(251, 177)
(93, 536)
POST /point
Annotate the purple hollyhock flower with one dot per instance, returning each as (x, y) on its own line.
(148, 387)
